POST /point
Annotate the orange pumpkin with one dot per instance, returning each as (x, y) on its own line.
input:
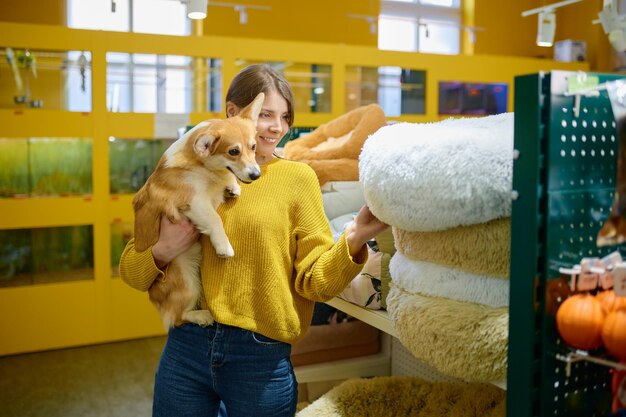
(579, 321)
(614, 333)
(610, 301)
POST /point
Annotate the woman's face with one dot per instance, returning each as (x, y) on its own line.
(272, 124)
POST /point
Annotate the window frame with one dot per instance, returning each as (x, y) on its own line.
(422, 15)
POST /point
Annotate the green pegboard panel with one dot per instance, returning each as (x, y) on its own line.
(564, 181)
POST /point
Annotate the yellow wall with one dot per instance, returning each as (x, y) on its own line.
(508, 33)
(43, 12)
(312, 21)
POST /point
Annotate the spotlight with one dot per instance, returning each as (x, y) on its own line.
(546, 28)
(547, 21)
(196, 9)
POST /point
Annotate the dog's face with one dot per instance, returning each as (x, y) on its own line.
(231, 143)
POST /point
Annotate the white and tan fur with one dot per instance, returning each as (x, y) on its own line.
(191, 180)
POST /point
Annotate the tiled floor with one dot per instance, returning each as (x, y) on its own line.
(109, 380)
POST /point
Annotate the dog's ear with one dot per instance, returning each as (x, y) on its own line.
(252, 110)
(206, 143)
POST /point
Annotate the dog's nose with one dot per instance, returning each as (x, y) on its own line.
(255, 174)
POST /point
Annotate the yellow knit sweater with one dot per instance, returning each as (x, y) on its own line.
(284, 259)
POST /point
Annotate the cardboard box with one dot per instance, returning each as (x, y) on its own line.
(570, 51)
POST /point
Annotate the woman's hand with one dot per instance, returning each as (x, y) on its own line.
(174, 239)
(364, 228)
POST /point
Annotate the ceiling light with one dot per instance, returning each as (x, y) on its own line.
(546, 27)
(547, 21)
(196, 9)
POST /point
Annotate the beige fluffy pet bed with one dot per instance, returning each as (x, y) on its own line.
(406, 396)
(482, 248)
(333, 149)
(464, 340)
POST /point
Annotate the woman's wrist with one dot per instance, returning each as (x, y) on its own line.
(355, 245)
(159, 259)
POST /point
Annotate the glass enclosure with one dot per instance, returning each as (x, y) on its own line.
(149, 83)
(55, 80)
(46, 255)
(310, 83)
(397, 90)
(132, 161)
(121, 233)
(42, 167)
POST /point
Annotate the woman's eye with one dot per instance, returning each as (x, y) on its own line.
(233, 152)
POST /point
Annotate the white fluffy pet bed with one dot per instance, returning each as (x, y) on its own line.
(434, 176)
(463, 340)
(418, 277)
(408, 397)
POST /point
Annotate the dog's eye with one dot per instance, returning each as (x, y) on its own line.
(254, 147)
(234, 152)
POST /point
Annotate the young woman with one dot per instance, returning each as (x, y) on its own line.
(263, 298)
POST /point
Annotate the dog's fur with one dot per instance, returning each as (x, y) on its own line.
(191, 180)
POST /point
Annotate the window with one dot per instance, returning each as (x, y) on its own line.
(162, 17)
(397, 90)
(143, 82)
(148, 83)
(430, 26)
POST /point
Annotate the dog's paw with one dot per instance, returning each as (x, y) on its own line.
(200, 317)
(227, 252)
(232, 191)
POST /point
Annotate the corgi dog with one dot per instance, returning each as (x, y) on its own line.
(193, 177)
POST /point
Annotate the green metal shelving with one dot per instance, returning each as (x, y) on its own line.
(563, 180)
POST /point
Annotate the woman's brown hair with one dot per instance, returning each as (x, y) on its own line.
(259, 78)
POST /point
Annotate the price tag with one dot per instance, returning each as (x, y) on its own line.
(587, 281)
(619, 280)
(606, 280)
(581, 82)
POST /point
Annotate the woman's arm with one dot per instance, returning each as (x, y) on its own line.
(364, 228)
(140, 269)
(323, 269)
(174, 239)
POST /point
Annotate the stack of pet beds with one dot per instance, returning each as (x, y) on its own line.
(445, 188)
(406, 396)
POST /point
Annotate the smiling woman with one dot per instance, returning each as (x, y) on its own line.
(276, 115)
(262, 299)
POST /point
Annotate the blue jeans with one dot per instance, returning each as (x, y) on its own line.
(250, 374)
